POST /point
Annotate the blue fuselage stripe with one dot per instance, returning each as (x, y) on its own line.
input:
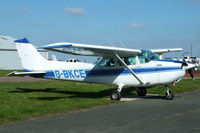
(106, 72)
(114, 71)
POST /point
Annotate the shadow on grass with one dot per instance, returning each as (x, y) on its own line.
(75, 94)
(47, 98)
(70, 94)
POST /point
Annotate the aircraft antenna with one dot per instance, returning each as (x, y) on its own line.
(122, 44)
(198, 40)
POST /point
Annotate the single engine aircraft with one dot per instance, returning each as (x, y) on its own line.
(136, 68)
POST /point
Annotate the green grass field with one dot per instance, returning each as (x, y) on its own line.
(27, 100)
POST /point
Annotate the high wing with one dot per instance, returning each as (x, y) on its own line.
(91, 50)
(160, 51)
(103, 51)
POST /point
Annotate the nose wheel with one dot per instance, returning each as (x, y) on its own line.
(169, 95)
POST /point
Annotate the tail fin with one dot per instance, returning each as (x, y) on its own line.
(30, 58)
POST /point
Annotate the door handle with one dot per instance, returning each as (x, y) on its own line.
(159, 64)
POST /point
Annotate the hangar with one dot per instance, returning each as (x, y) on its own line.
(9, 59)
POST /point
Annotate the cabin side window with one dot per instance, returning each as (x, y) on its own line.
(113, 62)
(107, 62)
(132, 60)
(143, 59)
(129, 60)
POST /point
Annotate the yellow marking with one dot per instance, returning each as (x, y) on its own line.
(160, 56)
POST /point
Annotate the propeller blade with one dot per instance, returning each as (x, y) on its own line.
(190, 71)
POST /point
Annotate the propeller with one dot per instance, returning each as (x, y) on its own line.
(189, 67)
(190, 71)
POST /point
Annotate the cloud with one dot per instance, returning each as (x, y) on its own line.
(135, 26)
(75, 11)
(18, 11)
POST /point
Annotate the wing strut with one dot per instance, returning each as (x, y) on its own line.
(129, 69)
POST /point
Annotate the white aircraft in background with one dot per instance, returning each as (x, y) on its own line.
(140, 69)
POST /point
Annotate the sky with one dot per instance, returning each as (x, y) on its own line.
(137, 24)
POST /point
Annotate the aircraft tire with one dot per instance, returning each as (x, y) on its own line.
(115, 95)
(141, 92)
(170, 96)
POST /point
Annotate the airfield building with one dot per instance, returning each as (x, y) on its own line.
(9, 59)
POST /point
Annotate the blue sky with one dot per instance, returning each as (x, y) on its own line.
(139, 24)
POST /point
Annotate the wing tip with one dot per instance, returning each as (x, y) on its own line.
(24, 40)
(55, 46)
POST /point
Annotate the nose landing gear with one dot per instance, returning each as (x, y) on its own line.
(169, 95)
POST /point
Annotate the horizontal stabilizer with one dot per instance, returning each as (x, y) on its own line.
(33, 74)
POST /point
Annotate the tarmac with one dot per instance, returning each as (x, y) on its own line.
(151, 114)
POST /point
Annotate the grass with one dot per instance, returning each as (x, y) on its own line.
(25, 100)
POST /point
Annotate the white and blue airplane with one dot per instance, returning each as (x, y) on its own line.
(140, 69)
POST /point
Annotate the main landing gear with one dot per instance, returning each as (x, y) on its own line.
(141, 91)
(116, 95)
(169, 95)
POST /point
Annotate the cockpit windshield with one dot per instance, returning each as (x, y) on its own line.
(146, 56)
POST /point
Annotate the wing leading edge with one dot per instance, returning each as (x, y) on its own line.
(103, 51)
(160, 51)
(91, 50)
